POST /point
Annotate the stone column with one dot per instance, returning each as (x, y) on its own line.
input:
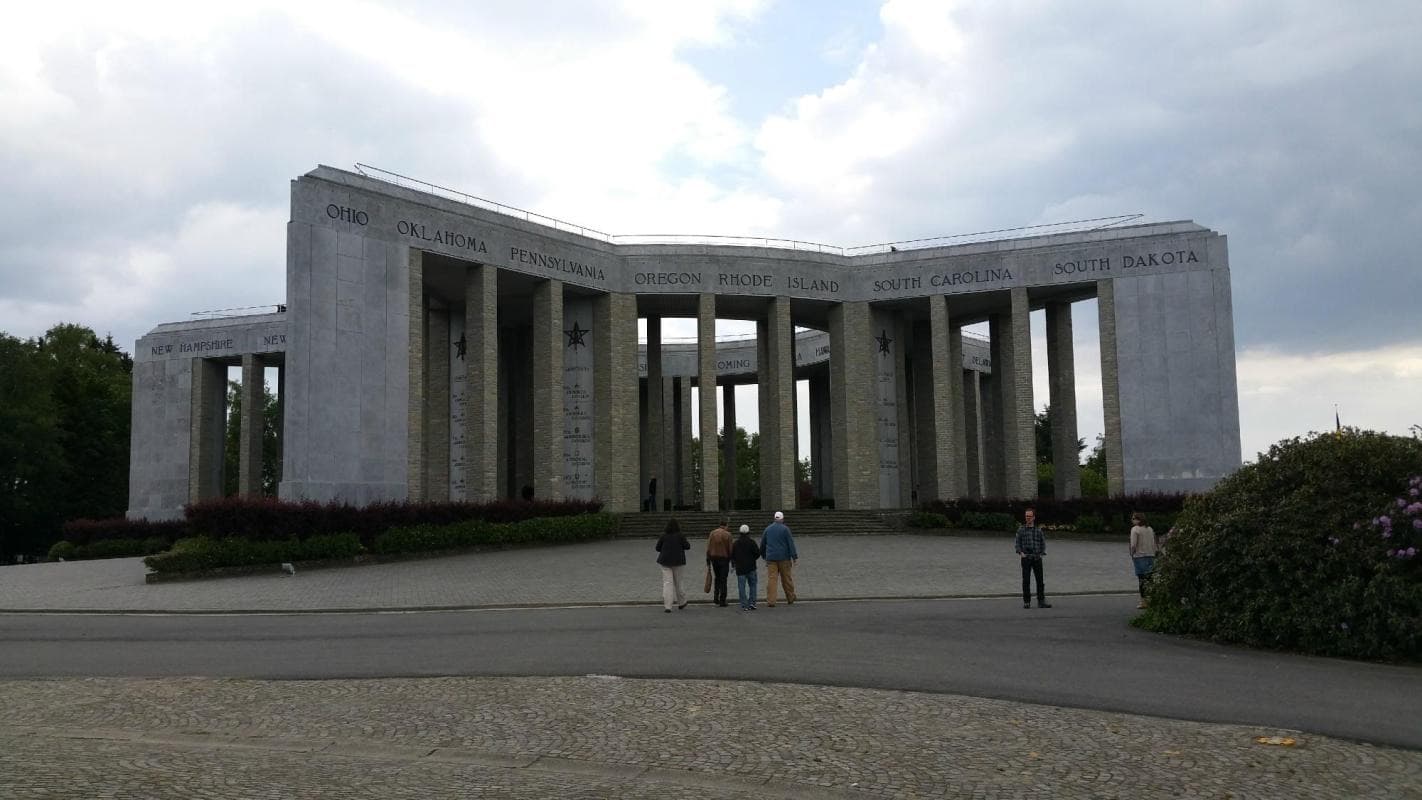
(415, 430)
(656, 428)
(943, 435)
(973, 432)
(1061, 382)
(615, 393)
(481, 369)
(776, 338)
(1022, 446)
(821, 435)
(208, 411)
(706, 396)
(504, 460)
(437, 409)
(1110, 385)
(995, 396)
(908, 492)
(547, 364)
(249, 450)
(687, 482)
(855, 468)
(728, 446)
(281, 419)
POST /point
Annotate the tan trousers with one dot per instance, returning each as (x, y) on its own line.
(779, 570)
(672, 593)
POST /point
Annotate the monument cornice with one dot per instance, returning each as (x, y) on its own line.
(372, 208)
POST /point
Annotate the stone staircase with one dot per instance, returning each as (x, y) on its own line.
(802, 522)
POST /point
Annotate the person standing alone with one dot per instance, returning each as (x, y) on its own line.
(1142, 552)
(1031, 546)
(671, 556)
(718, 558)
(778, 547)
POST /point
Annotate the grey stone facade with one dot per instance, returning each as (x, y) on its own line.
(383, 279)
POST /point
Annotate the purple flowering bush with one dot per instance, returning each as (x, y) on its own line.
(1316, 547)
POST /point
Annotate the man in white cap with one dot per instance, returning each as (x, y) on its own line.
(778, 548)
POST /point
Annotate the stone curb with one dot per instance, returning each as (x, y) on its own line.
(527, 606)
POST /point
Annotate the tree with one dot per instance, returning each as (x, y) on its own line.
(232, 446)
(30, 456)
(65, 400)
(1096, 462)
(747, 462)
(1043, 429)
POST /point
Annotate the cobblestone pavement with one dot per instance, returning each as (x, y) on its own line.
(619, 571)
(595, 737)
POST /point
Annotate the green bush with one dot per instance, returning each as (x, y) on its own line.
(926, 519)
(61, 550)
(988, 521)
(1093, 483)
(473, 533)
(1090, 523)
(204, 553)
(107, 548)
(1289, 552)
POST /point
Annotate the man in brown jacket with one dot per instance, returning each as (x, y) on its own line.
(718, 557)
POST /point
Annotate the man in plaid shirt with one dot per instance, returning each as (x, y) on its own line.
(1031, 546)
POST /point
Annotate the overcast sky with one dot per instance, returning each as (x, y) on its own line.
(146, 148)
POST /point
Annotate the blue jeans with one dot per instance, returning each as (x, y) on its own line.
(747, 594)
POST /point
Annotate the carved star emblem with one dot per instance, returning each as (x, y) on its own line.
(575, 336)
(884, 341)
(460, 346)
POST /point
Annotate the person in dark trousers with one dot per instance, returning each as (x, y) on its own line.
(652, 495)
(778, 547)
(1031, 546)
(718, 558)
(671, 555)
(744, 554)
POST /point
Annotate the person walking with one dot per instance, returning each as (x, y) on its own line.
(1143, 550)
(671, 555)
(778, 548)
(651, 496)
(718, 558)
(1031, 546)
(744, 554)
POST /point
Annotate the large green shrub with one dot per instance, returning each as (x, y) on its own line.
(1288, 552)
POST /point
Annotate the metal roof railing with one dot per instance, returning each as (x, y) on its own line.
(1023, 231)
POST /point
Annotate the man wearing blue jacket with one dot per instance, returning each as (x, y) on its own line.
(778, 547)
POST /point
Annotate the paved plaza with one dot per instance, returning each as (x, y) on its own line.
(618, 571)
(593, 737)
(601, 736)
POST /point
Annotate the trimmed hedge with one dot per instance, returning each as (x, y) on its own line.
(927, 520)
(1290, 552)
(81, 532)
(203, 553)
(265, 518)
(1104, 514)
(107, 548)
(200, 553)
(474, 533)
